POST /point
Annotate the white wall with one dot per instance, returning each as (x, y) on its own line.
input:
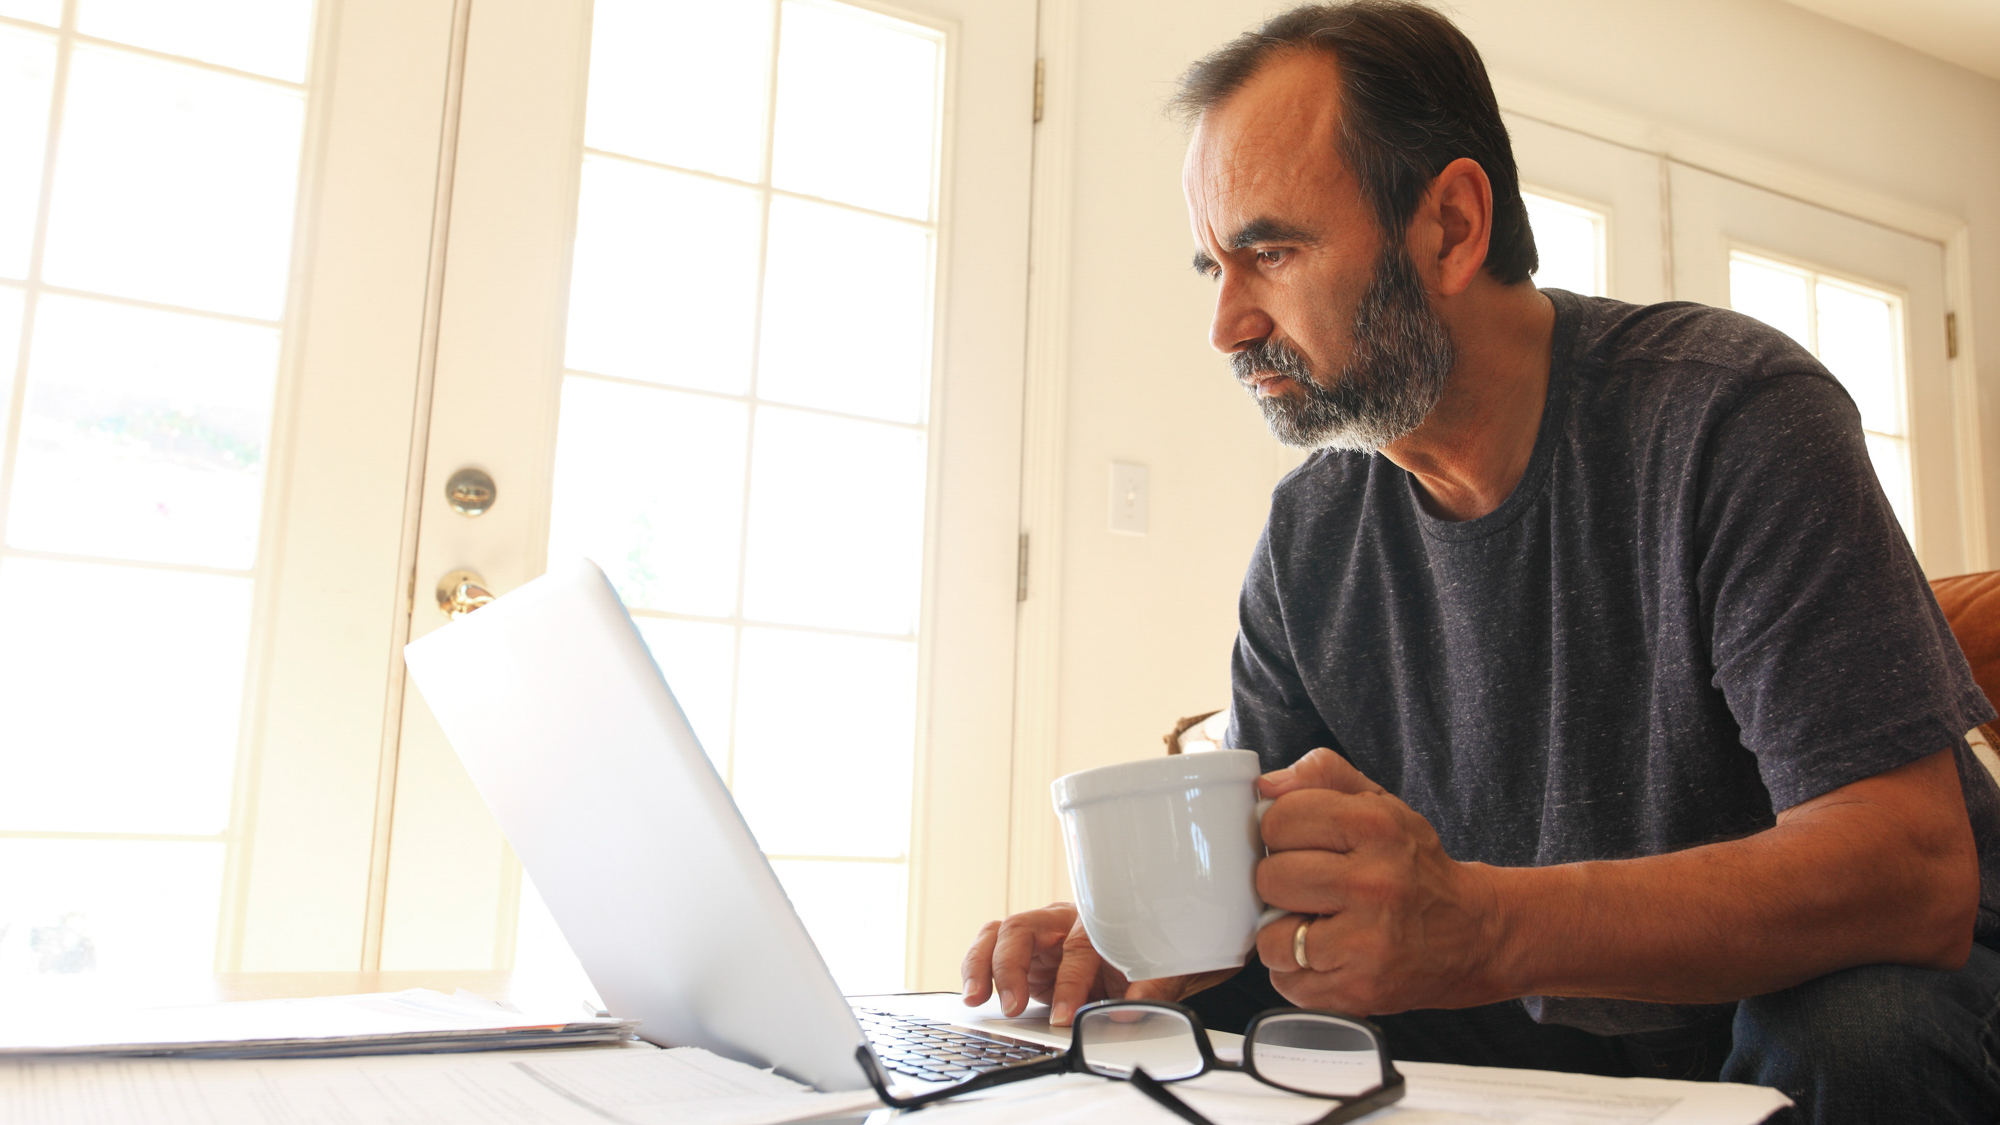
(1147, 622)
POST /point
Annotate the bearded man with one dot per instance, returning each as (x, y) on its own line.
(1611, 724)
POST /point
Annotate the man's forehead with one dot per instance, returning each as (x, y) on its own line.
(1270, 143)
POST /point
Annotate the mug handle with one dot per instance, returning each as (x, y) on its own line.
(1271, 913)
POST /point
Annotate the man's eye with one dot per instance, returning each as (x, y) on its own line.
(1270, 257)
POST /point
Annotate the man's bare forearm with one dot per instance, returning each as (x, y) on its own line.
(1881, 871)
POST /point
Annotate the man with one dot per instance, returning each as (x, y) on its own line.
(1610, 722)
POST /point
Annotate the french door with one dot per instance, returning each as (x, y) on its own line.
(213, 249)
(271, 274)
(733, 305)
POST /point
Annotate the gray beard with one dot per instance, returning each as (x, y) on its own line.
(1395, 373)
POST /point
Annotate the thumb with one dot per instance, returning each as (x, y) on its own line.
(1321, 769)
(1159, 988)
(1076, 978)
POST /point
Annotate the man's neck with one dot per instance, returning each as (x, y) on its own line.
(1475, 445)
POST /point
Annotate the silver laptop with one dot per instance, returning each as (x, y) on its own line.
(571, 734)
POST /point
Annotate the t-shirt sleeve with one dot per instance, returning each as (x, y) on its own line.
(1270, 711)
(1826, 642)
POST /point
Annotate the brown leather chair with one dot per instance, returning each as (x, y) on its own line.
(1971, 604)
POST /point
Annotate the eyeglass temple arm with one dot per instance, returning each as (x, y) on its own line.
(1379, 1098)
(872, 1067)
(1151, 1087)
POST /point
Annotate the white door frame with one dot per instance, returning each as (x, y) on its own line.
(329, 612)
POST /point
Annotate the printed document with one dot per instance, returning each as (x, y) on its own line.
(1439, 1094)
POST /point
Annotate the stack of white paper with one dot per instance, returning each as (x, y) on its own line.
(376, 1023)
(1439, 1094)
(635, 1086)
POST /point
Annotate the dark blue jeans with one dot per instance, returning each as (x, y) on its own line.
(1876, 1044)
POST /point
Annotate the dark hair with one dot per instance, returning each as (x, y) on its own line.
(1414, 97)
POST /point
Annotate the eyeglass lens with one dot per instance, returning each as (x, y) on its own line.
(1314, 1054)
(1115, 1040)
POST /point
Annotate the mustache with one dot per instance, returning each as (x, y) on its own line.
(1399, 358)
(1271, 357)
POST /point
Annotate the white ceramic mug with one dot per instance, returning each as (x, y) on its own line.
(1163, 856)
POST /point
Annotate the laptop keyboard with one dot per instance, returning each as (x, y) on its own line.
(935, 1051)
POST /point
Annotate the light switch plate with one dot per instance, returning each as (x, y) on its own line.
(1128, 498)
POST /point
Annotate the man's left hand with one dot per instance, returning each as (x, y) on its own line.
(1403, 925)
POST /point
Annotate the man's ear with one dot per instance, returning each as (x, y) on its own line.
(1453, 227)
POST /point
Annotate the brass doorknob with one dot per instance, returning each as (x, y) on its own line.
(461, 592)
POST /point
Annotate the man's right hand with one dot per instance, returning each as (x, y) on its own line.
(1045, 955)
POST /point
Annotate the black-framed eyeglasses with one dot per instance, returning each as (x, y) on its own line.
(1150, 1043)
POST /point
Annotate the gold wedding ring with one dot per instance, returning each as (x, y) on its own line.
(1299, 942)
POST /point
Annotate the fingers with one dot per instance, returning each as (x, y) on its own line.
(1018, 943)
(1076, 977)
(1202, 981)
(1346, 971)
(1308, 882)
(1321, 769)
(976, 971)
(1159, 988)
(1176, 988)
(1335, 822)
(1276, 943)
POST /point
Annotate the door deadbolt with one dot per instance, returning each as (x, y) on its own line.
(469, 491)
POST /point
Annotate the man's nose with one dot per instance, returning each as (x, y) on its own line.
(1239, 320)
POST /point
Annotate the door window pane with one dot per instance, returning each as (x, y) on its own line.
(824, 730)
(40, 11)
(261, 36)
(123, 908)
(27, 76)
(143, 435)
(1891, 457)
(1570, 244)
(698, 658)
(1858, 342)
(844, 906)
(846, 312)
(857, 108)
(836, 523)
(665, 282)
(174, 184)
(681, 82)
(119, 694)
(649, 486)
(11, 309)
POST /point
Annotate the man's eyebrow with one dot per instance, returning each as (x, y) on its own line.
(1270, 230)
(1254, 232)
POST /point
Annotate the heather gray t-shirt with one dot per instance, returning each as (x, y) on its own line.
(1695, 610)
